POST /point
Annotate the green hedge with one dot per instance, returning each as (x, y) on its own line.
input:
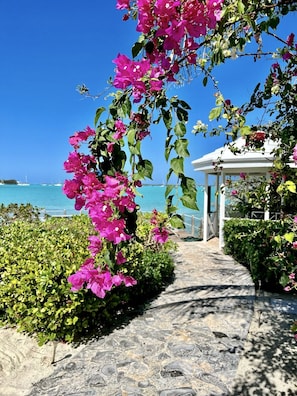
(253, 244)
(35, 262)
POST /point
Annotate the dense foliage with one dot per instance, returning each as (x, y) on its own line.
(259, 246)
(36, 259)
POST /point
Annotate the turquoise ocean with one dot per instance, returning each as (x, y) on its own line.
(51, 198)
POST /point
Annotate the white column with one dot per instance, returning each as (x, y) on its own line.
(205, 214)
(267, 212)
(217, 206)
(222, 211)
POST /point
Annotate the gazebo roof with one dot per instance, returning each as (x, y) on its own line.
(250, 161)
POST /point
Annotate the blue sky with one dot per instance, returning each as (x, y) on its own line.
(50, 47)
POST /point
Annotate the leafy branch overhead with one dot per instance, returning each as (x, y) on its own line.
(177, 39)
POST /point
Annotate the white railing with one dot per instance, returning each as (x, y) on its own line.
(55, 213)
(193, 225)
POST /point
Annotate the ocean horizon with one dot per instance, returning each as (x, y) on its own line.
(51, 200)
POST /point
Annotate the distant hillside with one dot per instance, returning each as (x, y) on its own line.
(8, 181)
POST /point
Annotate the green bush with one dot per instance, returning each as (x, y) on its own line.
(254, 244)
(13, 212)
(35, 262)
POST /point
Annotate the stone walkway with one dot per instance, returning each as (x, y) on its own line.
(187, 342)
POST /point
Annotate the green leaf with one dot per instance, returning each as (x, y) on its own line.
(168, 190)
(291, 186)
(135, 148)
(145, 168)
(181, 147)
(180, 129)
(167, 118)
(189, 202)
(177, 165)
(176, 221)
(188, 185)
(184, 104)
(137, 47)
(182, 114)
(215, 113)
(204, 81)
(245, 131)
(240, 7)
(99, 111)
(171, 209)
(289, 237)
(131, 136)
(274, 22)
(168, 151)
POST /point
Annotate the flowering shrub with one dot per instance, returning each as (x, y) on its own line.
(37, 258)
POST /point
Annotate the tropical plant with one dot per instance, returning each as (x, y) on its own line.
(37, 258)
(177, 38)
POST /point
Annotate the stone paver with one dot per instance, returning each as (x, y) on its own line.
(187, 342)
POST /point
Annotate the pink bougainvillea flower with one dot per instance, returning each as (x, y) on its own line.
(81, 136)
(120, 128)
(123, 4)
(125, 202)
(79, 202)
(71, 188)
(145, 16)
(234, 193)
(120, 278)
(95, 245)
(120, 259)
(73, 163)
(129, 281)
(91, 182)
(143, 134)
(292, 276)
(295, 219)
(100, 283)
(242, 175)
(160, 235)
(115, 231)
(294, 245)
(83, 275)
(287, 55)
(156, 85)
(110, 146)
(287, 288)
(290, 39)
(129, 72)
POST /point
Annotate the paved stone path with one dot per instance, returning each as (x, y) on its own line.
(187, 342)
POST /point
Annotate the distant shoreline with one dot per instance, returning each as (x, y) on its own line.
(8, 181)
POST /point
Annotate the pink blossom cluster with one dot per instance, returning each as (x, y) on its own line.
(292, 282)
(160, 232)
(106, 202)
(139, 74)
(97, 280)
(287, 54)
(171, 28)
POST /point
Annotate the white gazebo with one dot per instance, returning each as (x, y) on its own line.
(224, 162)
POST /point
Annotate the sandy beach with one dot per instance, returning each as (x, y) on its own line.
(23, 362)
